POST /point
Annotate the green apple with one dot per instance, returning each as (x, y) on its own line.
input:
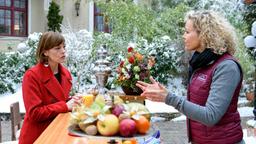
(109, 125)
(99, 100)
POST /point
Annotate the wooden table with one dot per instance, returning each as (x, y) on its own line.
(57, 133)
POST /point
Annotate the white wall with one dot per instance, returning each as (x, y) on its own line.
(70, 16)
(37, 21)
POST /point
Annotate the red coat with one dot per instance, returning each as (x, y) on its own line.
(44, 98)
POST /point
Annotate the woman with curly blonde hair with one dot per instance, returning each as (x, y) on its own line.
(215, 79)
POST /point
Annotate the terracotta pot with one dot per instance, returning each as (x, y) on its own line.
(131, 91)
(249, 96)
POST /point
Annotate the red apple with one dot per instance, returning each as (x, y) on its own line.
(108, 126)
(117, 110)
(127, 128)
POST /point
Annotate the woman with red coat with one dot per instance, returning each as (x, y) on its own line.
(46, 88)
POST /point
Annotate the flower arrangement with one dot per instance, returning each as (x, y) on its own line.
(133, 68)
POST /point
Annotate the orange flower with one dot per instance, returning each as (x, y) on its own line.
(138, 56)
(121, 78)
(151, 61)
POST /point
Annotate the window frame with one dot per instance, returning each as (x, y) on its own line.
(14, 9)
(106, 23)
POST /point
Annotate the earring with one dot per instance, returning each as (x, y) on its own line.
(46, 64)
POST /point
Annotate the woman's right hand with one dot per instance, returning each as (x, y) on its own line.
(154, 91)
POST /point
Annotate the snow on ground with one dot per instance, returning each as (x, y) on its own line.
(251, 123)
(242, 100)
(245, 111)
(180, 118)
(8, 98)
(155, 107)
(249, 136)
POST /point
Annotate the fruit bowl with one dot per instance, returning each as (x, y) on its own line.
(114, 119)
(74, 130)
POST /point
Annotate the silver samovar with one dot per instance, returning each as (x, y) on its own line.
(102, 69)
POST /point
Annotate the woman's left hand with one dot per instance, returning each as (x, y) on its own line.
(78, 98)
(74, 101)
(154, 92)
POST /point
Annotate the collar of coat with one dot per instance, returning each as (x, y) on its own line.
(58, 90)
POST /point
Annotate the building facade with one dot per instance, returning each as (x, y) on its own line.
(19, 18)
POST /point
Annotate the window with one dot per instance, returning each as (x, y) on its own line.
(13, 17)
(101, 22)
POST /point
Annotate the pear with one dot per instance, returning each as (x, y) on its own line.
(118, 100)
(139, 108)
(83, 126)
(91, 130)
(123, 116)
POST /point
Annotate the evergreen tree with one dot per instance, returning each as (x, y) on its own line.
(54, 19)
(249, 16)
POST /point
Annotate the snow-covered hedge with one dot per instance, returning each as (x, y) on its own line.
(14, 64)
(79, 46)
(79, 51)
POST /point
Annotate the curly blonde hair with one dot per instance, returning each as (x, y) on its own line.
(215, 32)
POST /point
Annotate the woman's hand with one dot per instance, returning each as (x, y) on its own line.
(154, 92)
(75, 100)
(249, 1)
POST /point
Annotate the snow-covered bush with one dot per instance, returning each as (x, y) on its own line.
(78, 45)
(167, 56)
(28, 57)
(231, 9)
(8, 72)
(14, 64)
(79, 60)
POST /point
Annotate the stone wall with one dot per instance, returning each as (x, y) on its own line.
(8, 44)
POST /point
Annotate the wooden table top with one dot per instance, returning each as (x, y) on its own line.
(57, 132)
